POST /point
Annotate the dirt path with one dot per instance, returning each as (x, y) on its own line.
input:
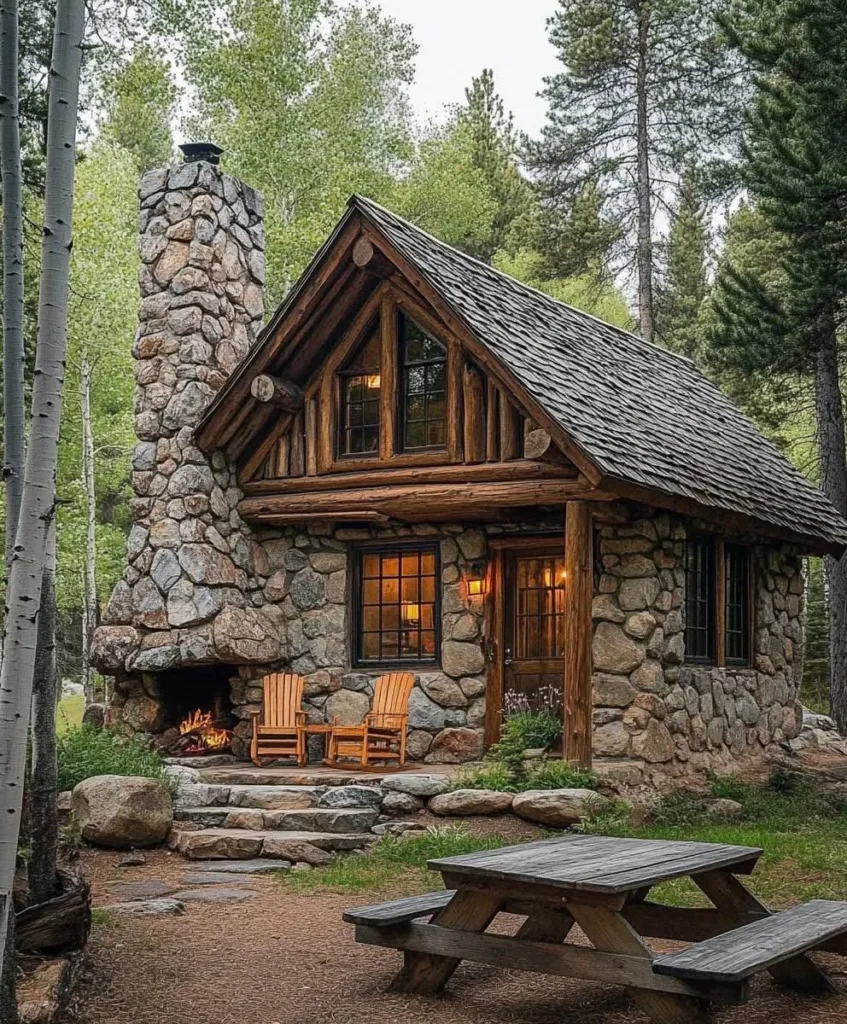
(288, 959)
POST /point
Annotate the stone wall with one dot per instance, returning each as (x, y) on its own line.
(308, 582)
(652, 706)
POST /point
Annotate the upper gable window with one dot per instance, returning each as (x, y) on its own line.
(360, 388)
(424, 387)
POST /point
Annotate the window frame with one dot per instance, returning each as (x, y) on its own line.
(711, 604)
(383, 304)
(718, 603)
(746, 604)
(401, 395)
(343, 376)
(355, 595)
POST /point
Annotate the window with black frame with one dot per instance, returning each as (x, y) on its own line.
(699, 600)
(424, 387)
(396, 605)
(360, 391)
(737, 604)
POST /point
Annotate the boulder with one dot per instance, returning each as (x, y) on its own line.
(94, 715)
(655, 744)
(454, 746)
(244, 636)
(203, 845)
(557, 808)
(122, 811)
(461, 659)
(724, 809)
(463, 802)
(400, 804)
(417, 785)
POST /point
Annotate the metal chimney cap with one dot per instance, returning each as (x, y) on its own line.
(194, 151)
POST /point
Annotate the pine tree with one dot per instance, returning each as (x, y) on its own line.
(644, 84)
(796, 165)
(683, 291)
(493, 152)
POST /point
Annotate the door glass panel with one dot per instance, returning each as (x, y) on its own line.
(540, 607)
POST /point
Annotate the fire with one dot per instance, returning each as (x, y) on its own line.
(205, 736)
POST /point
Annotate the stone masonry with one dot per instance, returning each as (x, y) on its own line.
(649, 704)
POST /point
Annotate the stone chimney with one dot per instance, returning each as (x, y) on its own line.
(190, 593)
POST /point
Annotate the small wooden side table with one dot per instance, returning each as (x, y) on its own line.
(318, 729)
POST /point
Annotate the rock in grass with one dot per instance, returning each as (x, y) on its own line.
(557, 808)
(463, 802)
(725, 810)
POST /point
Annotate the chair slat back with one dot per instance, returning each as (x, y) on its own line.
(283, 694)
(392, 692)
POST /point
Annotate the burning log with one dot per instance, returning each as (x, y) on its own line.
(200, 734)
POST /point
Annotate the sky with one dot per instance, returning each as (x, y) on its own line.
(458, 38)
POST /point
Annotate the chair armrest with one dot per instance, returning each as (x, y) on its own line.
(386, 720)
(300, 717)
(255, 712)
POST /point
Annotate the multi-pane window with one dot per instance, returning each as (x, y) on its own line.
(360, 387)
(540, 607)
(699, 600)
(397, 605)
(737, 604)
(424, 420)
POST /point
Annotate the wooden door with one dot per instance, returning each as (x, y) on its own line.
(533, 627)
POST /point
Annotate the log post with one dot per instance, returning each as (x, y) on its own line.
(579, 585)
(367, 257)
(282, 394)
(474, 414)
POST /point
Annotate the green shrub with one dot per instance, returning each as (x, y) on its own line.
(540, 728)
(84, 752)
(540, 775)
(559, 775)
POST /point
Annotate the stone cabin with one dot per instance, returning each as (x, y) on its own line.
(419, 462)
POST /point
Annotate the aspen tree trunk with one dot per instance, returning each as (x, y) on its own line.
(829, 409)
(44, 774)
(644, 244)
(89, 612)
(24, 588)
(13, 272)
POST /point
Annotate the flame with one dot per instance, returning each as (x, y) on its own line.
(206, 735)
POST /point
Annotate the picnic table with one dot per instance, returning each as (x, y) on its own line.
(601, 884)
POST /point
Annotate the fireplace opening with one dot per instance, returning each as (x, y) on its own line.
(199, 718)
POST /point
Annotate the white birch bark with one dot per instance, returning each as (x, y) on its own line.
(89, 610)
(644, 245)
(24, 588)
(13, 271)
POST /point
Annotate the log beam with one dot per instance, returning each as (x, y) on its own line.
(281, 394)
(579, 579)
(367, 257)
(429, 501)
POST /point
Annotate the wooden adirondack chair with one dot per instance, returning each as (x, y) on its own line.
(281, 732)
(382, 734)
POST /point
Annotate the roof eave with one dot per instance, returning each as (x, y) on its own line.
(810, 543)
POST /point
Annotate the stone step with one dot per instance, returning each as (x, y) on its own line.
(245, 844)
(276, 798)
(317, 776)
(314, 819)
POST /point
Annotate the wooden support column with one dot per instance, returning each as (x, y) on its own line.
(579, 586)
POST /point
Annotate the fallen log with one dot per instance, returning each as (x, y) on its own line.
(58, 925)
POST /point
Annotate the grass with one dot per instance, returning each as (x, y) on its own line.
(516, 778)
(395, 862)
(69, 713)
(802, 831)
(84, 752)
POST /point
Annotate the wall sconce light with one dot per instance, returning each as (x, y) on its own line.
(475, 579)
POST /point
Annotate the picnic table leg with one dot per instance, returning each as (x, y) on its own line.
(426, 973)
(609, 931)
(726, 892)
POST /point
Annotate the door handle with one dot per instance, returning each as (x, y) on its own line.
(507, 656)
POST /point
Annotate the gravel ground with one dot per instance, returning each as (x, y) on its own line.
(288, 958)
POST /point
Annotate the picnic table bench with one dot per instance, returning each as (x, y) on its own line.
(601, 884)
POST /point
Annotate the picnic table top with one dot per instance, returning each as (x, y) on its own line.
(602, 864)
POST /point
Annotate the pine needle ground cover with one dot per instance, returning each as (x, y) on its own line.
(803, 834)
